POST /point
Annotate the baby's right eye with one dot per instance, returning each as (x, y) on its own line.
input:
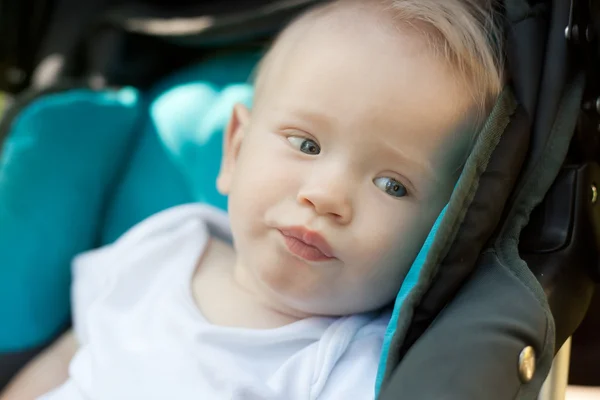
(307, 146)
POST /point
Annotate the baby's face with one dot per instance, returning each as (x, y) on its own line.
(353, 148)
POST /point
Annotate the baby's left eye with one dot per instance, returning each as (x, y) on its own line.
(307, 146)
(390, 186)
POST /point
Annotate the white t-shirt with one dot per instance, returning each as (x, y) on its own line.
(143, 337)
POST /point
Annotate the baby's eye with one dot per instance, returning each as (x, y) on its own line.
(307, 146)
(390, 186)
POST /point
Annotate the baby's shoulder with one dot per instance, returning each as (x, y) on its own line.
(158, 240)
(175, 219)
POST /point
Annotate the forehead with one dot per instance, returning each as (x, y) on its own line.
(382, 82)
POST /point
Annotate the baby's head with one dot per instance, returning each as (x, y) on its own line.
(363, 115)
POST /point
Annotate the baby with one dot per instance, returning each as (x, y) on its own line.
(364, 112)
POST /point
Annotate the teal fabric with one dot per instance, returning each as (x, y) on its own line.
(56, 166)
(81, 167)
(178, 157)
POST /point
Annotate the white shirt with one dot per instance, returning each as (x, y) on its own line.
(143, 337)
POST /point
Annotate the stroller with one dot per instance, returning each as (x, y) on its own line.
(117, 114)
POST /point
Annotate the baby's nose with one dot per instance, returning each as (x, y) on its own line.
(328, 197)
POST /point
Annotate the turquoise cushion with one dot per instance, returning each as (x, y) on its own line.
(56, 168)
(178, 157)
(81, 167)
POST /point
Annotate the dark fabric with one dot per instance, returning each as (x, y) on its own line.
(525, 46)
(557, 65)
(482, 217)
(472, 349)
(44, 41)
(220, 22)
(129, 43)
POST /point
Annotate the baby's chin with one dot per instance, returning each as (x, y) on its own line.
(310, 305)
(301, 295)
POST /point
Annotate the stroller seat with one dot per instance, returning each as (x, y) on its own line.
(505, 274)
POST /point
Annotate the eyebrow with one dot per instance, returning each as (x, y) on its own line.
(425, 167)
(311, 116)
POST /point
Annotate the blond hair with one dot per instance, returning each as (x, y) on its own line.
(466, 33)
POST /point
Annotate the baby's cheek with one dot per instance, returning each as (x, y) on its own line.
(263, 172)
(391, 248)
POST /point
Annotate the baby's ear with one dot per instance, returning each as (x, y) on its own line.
(234, 134)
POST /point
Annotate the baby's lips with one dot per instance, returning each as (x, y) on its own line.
(311, 238)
